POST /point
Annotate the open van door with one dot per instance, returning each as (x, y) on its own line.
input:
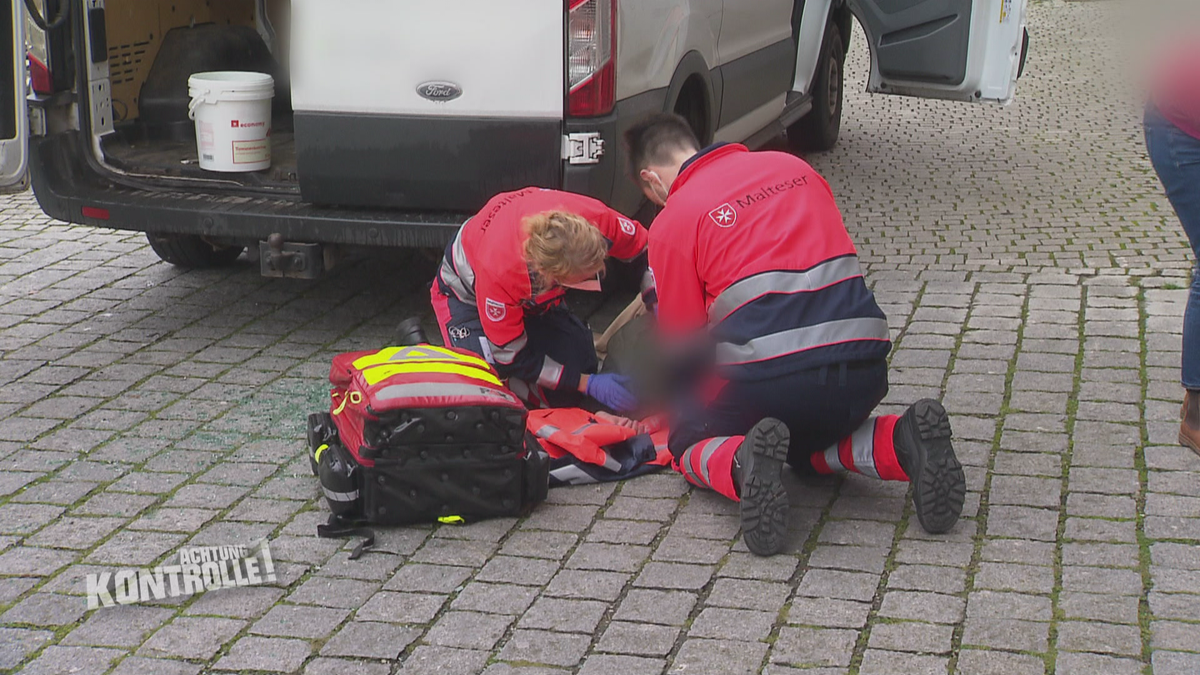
(965, 50)
(14, 120)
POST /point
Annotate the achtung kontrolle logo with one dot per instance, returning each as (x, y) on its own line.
(200, 568)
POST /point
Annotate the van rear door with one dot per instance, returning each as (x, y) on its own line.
(14, 115)
(427, 105)
(967, 50)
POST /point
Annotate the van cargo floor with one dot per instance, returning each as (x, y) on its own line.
(179, 159)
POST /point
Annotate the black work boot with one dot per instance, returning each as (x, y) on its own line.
(922, 441)
(764, 501)
(409, 333)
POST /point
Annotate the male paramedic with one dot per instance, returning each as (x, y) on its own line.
(763, 307)
(499, 292)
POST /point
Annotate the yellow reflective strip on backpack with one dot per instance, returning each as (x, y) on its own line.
(422, 353)
(451, 520)
(377, 374)
(317, 455)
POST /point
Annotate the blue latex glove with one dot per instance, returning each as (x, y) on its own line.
(611, 390)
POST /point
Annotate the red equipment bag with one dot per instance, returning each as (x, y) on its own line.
(423, 433)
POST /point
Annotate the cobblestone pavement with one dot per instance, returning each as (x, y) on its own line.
(1033, 274)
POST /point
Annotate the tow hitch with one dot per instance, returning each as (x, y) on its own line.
(279, 258)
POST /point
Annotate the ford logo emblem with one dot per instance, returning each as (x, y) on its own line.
(439, 91)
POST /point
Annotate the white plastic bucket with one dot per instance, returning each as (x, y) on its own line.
(233, 119)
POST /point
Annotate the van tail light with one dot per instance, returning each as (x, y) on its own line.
(39, 76)
(591, 57)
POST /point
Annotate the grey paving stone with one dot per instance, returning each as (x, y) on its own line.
(690, 550)
(280, 655)
(468, 630)
(1106, 555)
(587, 585)
(876, 662)
(927, 578)
(749, 566)
(45, 609)
(18, 643)
(1174, 606)
(623, 532)
(1174, 663)
(824, 612)
(733, 624)
(330, 666)
(556, 649)
(1020, 578)
(330, 592)
(1169, 635)
(838, 584)
(512, 570)
(242, 603)
(1006, 634)
(137, 665)
(748, 594)
(75, 533)
(430, 660)
(1092, 636)
(850, 558)
(191, 638)
(641, 639)
(922, 607)
(34, 562)
(370, 639)
(428, 578)
(813, 647)
(920, 638)
(569, 616)
(1022, 523)
(1101, 580)
(1106, 608)
(990, 662)
(674, 576)
(300, 621)
(133, 549)
(662, 607)
(56, 660)
(123, 626)
(549, 545)
(730, 657)
(494, 598)
(1069, 663)
(604, 664)
(608, 557)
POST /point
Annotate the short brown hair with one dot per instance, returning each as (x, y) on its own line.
(655, 139)
(563, 245)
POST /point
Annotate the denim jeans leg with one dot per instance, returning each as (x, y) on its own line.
(1176, 159)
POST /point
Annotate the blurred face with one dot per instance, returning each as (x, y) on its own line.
(584, 281)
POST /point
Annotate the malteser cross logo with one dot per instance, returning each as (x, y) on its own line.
(723, 215)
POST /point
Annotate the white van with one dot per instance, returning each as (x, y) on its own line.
(394, 120)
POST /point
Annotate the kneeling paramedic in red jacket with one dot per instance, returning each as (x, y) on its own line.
(760, 292)
(499, 292)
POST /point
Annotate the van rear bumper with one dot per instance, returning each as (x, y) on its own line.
(64, 184)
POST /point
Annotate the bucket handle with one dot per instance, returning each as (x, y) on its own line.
(197, 101)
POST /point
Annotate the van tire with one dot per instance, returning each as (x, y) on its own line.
(191, 251)
(818, 130)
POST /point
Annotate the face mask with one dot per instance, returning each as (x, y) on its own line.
(589, 285)
(657, 186)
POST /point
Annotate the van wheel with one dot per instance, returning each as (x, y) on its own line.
(819, 129)
(191, 251)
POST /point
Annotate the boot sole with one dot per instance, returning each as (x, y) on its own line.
(764, 501)
(939, 488)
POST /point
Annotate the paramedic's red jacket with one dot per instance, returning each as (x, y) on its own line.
(751, 247)
(485, 266)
